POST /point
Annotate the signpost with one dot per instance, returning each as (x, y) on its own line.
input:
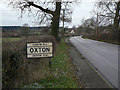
(39, 50)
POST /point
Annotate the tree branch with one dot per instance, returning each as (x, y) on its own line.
(101, 20)
(107, 5)
(41, 8)
(106, 16)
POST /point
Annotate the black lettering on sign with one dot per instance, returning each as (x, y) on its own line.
(36, 50)
(47, 49)
(39, 49)
(43, 50)
(31, 50)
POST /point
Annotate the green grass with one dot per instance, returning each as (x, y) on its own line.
(63, 72)
(10, 39)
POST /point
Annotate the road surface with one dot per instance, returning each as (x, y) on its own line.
(103, 56)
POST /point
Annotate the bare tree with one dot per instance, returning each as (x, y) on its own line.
(117, 16)
(46, 12)
(109, 10)
(98, 20)
(90, 23)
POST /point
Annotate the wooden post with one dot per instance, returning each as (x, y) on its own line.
(50, 66)
(29, 66)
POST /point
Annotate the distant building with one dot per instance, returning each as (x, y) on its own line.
(72, 32)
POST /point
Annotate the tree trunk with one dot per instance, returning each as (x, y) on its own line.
(117, 16)
(116, 31)
(55, 21)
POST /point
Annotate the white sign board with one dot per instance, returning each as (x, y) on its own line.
(38, 50)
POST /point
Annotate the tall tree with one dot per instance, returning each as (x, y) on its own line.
(117, 16)
(46, 12)
(110, 11)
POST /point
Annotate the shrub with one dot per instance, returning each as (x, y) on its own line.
(17, 69)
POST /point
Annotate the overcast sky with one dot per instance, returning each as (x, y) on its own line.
(10, 16)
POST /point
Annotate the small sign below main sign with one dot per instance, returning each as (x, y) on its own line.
(38, 50)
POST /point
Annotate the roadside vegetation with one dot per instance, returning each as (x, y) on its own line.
(18, 71)
(102, 39)
(63, 71)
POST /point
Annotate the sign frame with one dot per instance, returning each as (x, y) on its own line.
(40, 57)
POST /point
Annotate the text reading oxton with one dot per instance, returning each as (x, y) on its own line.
(42, 49)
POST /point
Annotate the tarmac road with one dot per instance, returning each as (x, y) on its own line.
(103, 56)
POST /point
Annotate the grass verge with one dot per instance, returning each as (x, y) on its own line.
(63, 71)
(108, 41)
(10, 39)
